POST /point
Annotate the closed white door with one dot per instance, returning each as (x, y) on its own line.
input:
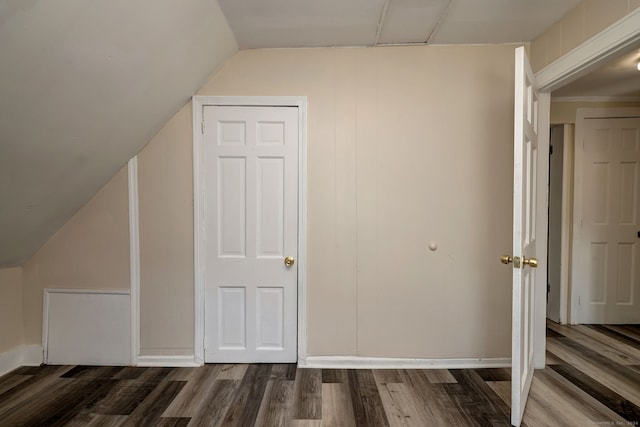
(525, 168)
(251, 229)
(608, 257)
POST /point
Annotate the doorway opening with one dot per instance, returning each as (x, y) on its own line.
(594, 218)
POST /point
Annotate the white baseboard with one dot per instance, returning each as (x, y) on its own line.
(26, 355)
(168, 361)
(10, 360)
(33, 355)
(357, 362)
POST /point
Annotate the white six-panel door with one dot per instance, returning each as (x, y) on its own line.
(524, 233)
(608, 254)
(251, 226)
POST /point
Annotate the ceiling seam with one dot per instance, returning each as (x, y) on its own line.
(439, 23)
(383, 16)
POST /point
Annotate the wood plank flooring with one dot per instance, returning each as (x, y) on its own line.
(592, 378)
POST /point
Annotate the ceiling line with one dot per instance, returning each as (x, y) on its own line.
(383, 16)
(436, 27)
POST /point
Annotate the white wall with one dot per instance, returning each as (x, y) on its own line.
(563, 112)
(90, 251)
(11, 313)
(166, 240)
(583, 22)
(406, 145)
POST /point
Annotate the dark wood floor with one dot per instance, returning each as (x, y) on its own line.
(592, 379)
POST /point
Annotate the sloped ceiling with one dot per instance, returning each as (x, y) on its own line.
(84, 84)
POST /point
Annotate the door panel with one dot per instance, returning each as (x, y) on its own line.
(270, 214)
(607, 256)
(231, 317)
(270, 319)
(231, 207)
(525, 177)
(251, 225)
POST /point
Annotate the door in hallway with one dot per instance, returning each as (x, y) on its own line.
(607, 252)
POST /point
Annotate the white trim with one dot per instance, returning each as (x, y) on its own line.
(567, 215)
(595, 99)
(596, 51)
(10, 360)
(357, 362)
(45, 324)
(32, 355)
(168, 361)
(45, 307)
(583, 114)
(198, 103)
(24, 355)
(134, 258)
(198, 234)
(87, 291)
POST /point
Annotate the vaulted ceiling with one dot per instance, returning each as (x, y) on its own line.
(85, 84)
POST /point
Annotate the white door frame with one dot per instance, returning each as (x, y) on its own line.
(599, 49)
(198, 103)
(582, 115)
(566, 234)
(566, 208)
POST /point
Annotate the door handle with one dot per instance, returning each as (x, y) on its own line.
(507, 259)
(531, 262)
(289, 261)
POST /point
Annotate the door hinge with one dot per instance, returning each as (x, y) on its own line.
(202, 125)
(551, 150)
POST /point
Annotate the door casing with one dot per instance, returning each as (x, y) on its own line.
(198, 104)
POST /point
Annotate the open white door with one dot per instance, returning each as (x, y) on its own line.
(525, 165)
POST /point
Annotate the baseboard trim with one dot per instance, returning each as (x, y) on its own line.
(25, 355)
(33, 355)
(10, 360)
(356, 362)
(168, 361)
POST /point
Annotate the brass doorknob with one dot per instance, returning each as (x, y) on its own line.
(289, 261)
(507, 259)
(531, 262)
